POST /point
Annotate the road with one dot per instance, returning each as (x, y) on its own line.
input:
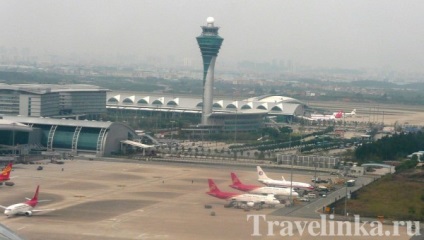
(311, 210)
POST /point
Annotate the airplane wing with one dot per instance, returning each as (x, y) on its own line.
(3, 207)
(42, 210)
(38, 200)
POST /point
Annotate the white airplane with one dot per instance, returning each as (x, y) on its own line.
(276, 191)
(281, 183)
(321, 117)
(351, 114)
(25, 208)
(248, 199)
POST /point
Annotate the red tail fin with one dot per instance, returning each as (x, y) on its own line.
(236, 180)
(5, 173)
(212, 186)
(35, 198)
(33, 202)
(339, 114)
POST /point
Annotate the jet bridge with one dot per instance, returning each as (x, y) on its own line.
(126, 143)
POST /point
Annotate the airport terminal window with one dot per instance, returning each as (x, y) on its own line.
(172, 103)
(142, 101)
(157, 102)
(8, 138)
(128, 101)
(63, 137)
(277, 109)
(45, 133)
(112, 101)
(88, 139)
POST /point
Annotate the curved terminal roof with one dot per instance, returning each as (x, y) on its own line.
(12, 125)
(276, 99)
(55, 121)
(278, 105)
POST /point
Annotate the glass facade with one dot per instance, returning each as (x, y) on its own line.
(63, 137)
(88, 138)
(9, 102)
(10, 137)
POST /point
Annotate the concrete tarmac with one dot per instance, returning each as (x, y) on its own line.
(115, 200)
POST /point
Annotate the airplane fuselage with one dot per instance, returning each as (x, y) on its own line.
(255, 199)
(274, 191)
(286, 184)
(17, 209)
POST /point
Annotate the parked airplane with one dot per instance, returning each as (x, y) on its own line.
(321, 117)
(255, 189)
(5, 174)
(25, 208)
(248, 199)
(351, 114)
(281, 183)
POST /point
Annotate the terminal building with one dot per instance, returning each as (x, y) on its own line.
(52, 100)
(228, 115)
(22, 135)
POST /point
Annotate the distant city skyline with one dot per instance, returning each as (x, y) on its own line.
(324, 34)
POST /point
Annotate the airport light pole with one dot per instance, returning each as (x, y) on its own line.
(13, 140)
(291, 174)
(345, 204)
(315, 178)
(172, 128)
(235, 129)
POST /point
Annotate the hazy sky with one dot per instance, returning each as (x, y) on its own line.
(339, 33)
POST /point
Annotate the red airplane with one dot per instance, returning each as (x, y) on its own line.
(255, 189)
(26, 208)
(5, 173)
(248, 199)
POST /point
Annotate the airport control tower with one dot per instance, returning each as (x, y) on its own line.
(209, 43)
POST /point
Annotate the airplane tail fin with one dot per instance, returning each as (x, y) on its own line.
(339, 114)
(235, 179)
(261, 173)
(353, 112)
(282, 177)
(5, 173)
(212, 186)
(34, 199)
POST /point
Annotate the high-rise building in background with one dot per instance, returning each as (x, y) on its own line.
(210, 43)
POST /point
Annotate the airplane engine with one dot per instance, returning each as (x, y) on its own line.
(28, 213)
(250, 204)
